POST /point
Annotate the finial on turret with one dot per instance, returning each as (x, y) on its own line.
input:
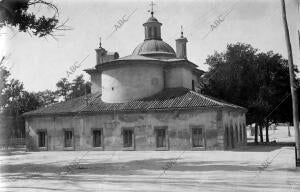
(100, 44)
(152, 12)
(181, 31)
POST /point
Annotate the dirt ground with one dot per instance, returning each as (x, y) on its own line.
(255, 168)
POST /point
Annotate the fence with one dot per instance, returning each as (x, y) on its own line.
(13, 143)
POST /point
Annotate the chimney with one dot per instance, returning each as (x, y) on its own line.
(181, 46)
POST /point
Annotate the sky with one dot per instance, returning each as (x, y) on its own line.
(41, 62)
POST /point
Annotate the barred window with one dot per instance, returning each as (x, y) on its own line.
(68, 138)
(161, 137)
(128, 138)
(97, 140)
(197, 137)
(42, 138)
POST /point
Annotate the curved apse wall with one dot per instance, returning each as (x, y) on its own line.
(131, 82)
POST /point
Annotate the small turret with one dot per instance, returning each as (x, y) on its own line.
(181, 46)
(102, 56)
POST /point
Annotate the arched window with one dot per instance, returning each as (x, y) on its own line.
(149, 32)
(155, 32)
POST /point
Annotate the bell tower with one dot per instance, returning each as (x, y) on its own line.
(181, 46)
(100, 53)
(152, 27)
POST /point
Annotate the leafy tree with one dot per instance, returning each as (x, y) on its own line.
(77, 88)
(15, 13)
(4, 74)
(80, 87)
(63, 88)
(16, 101)
(47, 97)
(257, 81)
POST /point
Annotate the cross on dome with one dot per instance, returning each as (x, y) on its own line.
(181, 31)
(152, 4)
(100, 44)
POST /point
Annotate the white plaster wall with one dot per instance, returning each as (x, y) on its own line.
(131, 82)
(179, 77)
(96, 82)
(178, 125)
(195, 78)
(187, 78)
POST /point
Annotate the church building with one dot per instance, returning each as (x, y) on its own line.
(145, 101)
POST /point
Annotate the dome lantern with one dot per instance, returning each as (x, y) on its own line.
(152, 27)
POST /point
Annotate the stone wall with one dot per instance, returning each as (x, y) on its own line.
(178, 124)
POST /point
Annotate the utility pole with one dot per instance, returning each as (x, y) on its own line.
(292, 83)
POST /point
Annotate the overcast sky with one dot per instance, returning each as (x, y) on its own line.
(39, 63)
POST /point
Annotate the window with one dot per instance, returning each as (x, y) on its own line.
(236, 133)
(97, 140)
(232, 136)
(42, 138)
(241, 133)
(197, 137)
(149, 32)
(155, 31)
(69, 138)
(226, 137)
(245, 132)
(128, 138)
(193, 85)
(161, 137)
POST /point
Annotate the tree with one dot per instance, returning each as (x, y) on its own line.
(15, 100)
(257, 81)
(80, 87)
(15, 13)
(47, 97)
(77, 88)
(63, 88)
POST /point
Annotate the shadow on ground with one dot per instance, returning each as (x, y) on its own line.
(13, 152)
(262, 147)
(134, 173)
(135, 167)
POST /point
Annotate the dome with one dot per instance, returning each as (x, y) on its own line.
(152, 19)
(154, 48)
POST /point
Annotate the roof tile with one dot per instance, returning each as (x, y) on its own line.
(168, 99)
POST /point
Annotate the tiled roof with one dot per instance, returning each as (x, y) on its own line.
(168, 99)
(154, 46)
(136, 57)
